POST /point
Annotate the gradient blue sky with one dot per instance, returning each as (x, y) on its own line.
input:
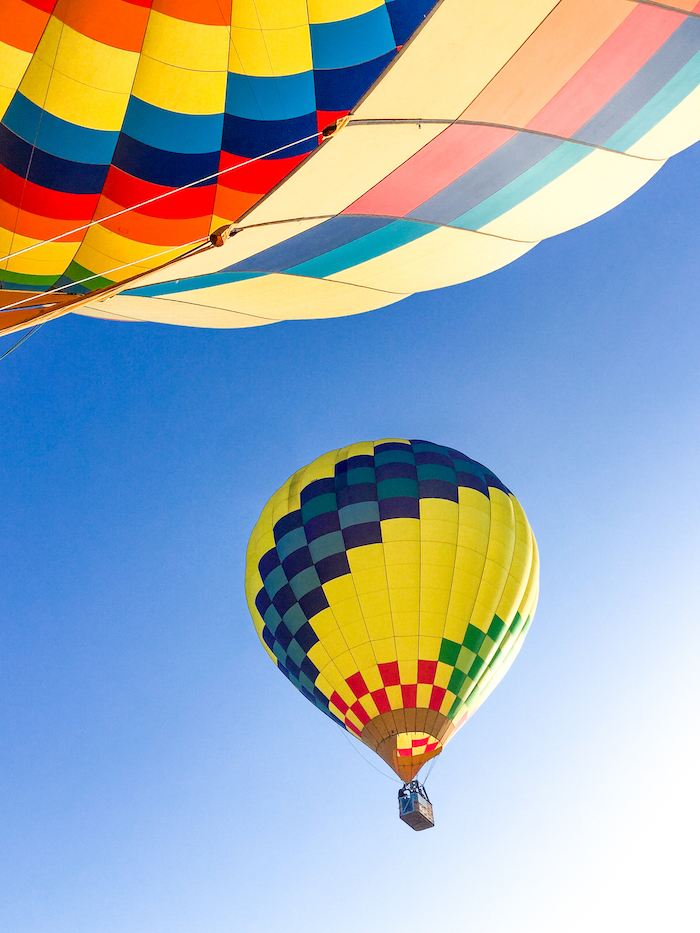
(158, 775)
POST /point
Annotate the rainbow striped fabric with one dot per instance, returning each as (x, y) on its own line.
(476, 130)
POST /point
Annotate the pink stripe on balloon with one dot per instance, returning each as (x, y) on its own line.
(439, 163)
(609, 69)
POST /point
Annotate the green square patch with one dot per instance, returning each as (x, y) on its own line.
(449, 650)
(496, 627)
(456, 681)
(473, 638)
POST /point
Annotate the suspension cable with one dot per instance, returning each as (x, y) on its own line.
(22, 339)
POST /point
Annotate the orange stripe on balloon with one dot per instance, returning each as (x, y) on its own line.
(35, 226)
(113, 22)
(552, 55)
(156, 231)
(21, 25)
(232, 204)
(207, 12)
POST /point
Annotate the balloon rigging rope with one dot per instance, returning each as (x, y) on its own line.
(367, 761)
(158, 197)
(22, 339)
(98, 275)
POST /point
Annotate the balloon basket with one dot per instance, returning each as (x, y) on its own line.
(415, 807)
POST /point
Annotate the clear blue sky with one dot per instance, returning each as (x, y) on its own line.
(158, 775)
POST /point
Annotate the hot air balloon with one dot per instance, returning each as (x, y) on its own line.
(393, 582)
(358, 150)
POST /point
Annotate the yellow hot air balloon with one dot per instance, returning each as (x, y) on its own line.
(393, 583)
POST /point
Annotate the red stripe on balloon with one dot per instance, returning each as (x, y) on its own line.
(43, 201)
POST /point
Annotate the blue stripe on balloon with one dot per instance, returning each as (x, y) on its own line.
(49, 171)
(170, 169)
(486, 179)
(678, 88)
(172, 131)
(310, 244)
(406, 16)
(341, 88)
(650, 80)
(276, 98)
(68, 141)
(253, 138)
(362, 249)
(351, 41)
(189, 285)
(564, 157)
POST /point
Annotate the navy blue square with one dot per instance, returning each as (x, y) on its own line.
(469, 481)
(306, 637)
(359, 535)
(361, 460)
(341, 88)
(406, 16)
(293, 668)
(253, 138)
(284, 599)
(336, 565)
(263, 601)
(322, 525)
(396, 470)
(313, 603)
(268, 562)
(287, 523)
(358, 492)
(430, 456)
(438, 489)
(391, 445)
(296, 562)
(495, 482)
(399, 507)
(268, 637)
(318, 488)
(283, 635)
(309, 668)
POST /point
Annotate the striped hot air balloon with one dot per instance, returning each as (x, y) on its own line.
(393, 583)
(363, 150)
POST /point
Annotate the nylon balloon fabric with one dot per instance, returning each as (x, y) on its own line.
(393, 582)
(108, 103)
(476, 129)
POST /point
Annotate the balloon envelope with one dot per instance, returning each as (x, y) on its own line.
(393, 583)
(477, 129)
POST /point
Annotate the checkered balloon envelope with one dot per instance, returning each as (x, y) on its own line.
(393, 582)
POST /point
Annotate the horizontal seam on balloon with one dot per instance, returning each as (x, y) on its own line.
(413, 220)
(193, 304)
(504, 126)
